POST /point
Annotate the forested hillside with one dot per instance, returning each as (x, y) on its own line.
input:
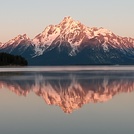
(12, 60)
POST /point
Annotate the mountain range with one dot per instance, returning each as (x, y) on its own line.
(72, 43)
(70, 91)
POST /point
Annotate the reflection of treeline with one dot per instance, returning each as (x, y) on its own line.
(11, 74)
(12, 60)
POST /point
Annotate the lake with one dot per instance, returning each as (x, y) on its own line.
(67, 100)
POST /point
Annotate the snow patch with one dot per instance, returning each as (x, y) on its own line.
(73, 51)
(102, 31)
(115, 41)
(105, 47)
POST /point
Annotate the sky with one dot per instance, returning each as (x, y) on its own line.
(32, 16)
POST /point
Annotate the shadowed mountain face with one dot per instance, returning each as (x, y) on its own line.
(70, 91)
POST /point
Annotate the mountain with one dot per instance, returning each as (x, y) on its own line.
(1, 44)
(72, 43)
(20, 45)
(72, 90)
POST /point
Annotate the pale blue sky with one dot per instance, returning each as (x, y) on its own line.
(32, 16)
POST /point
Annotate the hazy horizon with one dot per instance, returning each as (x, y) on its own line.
(31, 17)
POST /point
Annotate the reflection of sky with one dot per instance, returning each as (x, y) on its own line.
(27, 115)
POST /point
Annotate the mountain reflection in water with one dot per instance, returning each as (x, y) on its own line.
(70, 90)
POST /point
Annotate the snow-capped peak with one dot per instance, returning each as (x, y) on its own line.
(67, 30)
(18, 38)
(68, 21)
(21, 37)
(15, 41)
(74, 34)
(67, 18)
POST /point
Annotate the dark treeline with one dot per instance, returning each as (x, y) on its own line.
(12, 60)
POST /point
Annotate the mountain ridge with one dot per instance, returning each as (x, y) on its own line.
(75, 43)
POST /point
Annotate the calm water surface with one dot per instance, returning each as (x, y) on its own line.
(67, 100)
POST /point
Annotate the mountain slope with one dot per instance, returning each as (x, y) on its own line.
(20, 45)
(72, 43)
